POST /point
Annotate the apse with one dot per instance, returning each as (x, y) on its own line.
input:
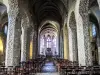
(48, 42)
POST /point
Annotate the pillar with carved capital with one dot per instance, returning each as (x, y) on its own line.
(14, 34)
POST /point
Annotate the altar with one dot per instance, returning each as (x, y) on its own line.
(49, 52)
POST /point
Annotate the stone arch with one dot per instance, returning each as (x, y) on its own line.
(72, 25)
(1, 3)
(27, 35)
(3, 14)
(54, 24)
(72, 21)
(94, 17)
(3, 23)
(28, 27)
(94, 40)
(46, 25)
(25, 18)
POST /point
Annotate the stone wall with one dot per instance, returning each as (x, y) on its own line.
(71, 24)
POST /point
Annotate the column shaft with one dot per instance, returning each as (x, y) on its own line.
(66, 52)
(35, 44)
(13, 38)
(24, 44)
(74, 44)
(83, 10)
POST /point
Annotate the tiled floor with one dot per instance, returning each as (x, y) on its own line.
(47, 74)
(49, 67)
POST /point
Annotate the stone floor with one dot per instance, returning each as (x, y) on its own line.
(49, 67)
(47, 74)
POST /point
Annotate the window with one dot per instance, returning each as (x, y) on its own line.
(5, 29)
(54, 41)
(48, 41)
(94, 31)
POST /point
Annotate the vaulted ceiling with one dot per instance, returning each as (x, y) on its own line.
(48, 10)
(93, 3)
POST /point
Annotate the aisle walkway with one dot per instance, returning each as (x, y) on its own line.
(49, 67)
(47, 74)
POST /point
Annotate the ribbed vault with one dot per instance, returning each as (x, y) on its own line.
(48, 10)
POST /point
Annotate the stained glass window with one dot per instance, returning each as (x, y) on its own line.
(94, 31)
(5, 29)
(48, 41)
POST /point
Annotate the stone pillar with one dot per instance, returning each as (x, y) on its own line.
(66, 51)
(74, 44)
(98, 44)
(32, 35)
(73, 37)
(35, 40)
(14, 34)
(24, 44)
(45, 45)
(57, 44)
(61, 45)
(70, 44)
(28, 44)
(99, 3)
(99, 54)
(83, 11)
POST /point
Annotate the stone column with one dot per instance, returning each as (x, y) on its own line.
(99, 3)
(74, 44)
(70, 44)
(83, 10)
(98, 44)
(24, 44)
(14, 34)
(33, 53)
(99, 54)
(61, 45)
(57, 44)
(35, 40)
(45, 45)
(28, 44)
(66, 51)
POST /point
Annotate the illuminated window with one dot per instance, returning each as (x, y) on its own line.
(48, 41)
(94, 31)
(54, 42)
(5, 29)
(31, 48)
(1, 45)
